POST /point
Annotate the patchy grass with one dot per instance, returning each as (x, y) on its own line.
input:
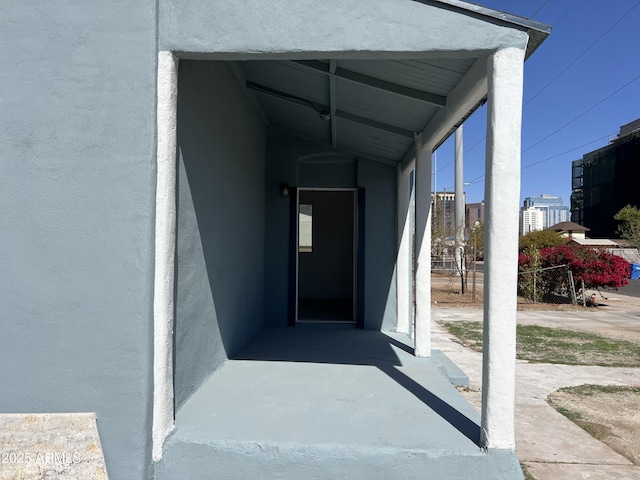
(553, 345)
(470, 333)
(608, 413)
(590, 390)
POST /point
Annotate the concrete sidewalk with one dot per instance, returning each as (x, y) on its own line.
(551, 446)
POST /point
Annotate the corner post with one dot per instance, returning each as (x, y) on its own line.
(403, 259)
(423, 252)
(502, 192)
(459, 205)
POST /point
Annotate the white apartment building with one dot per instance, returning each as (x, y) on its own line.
(531, 219)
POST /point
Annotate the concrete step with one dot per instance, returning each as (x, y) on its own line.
(263, 460)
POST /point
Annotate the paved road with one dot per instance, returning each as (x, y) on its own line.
(632, 290)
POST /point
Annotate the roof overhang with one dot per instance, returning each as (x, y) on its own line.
(367, 80)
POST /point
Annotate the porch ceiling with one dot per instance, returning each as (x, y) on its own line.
(373, 107)
(370, 108)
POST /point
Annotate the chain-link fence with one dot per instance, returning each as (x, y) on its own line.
(450, 286)
(547, 285)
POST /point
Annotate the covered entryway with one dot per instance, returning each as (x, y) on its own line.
(326, 254)
(344, 95)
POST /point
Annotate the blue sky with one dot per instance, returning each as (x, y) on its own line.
(598, 43)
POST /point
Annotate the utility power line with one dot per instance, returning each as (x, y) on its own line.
(582, 114)
(539, 9)
(566, 124)
(478, 179)
(568, 151)
(575, 60)
(563, 71)
(565, 14)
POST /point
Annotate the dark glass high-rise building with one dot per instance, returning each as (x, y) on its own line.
(606, 180)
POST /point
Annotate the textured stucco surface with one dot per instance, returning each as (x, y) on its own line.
(379, 182)
(422, 247)
(77, 185)
(375, 28)
(404, 258)
(164, 252)
(220, 238)
(502, 194)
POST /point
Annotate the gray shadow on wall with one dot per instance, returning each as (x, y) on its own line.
(379, 182)
(198, 346)
(220, 230)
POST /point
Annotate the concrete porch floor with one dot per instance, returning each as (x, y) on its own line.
(329, 402)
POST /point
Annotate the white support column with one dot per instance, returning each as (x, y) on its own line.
(459, 201)
(403, 259)
(502, 192)
(423, 253)
(165, 245)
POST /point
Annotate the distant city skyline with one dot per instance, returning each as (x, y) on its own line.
(541, 212)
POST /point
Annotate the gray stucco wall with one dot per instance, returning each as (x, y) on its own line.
(374, 28)
(379, 181)
(220, 241)
(301, 163)
(77, 189)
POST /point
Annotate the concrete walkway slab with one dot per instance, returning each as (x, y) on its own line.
(553, 447)
(545, 436)
(562, 471)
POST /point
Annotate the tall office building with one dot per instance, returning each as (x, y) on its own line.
(606, 180)
(553, 211)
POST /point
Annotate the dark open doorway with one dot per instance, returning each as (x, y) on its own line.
(326, 252)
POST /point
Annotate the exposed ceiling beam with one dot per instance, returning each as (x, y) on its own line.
(333, 65)
(413, 93)
(321, 109)
(401, 132)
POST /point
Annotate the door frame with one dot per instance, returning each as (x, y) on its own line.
(295, 252)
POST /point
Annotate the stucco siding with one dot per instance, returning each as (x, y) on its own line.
(220, 236)
(379, 182)
(379, 27)
(77, 175)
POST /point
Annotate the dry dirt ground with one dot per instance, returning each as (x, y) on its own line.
(611, 417)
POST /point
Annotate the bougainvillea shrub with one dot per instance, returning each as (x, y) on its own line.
(596, 267)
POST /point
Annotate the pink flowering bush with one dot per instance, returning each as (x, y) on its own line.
(597, 268)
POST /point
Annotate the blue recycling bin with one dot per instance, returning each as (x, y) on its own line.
(635, 271)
